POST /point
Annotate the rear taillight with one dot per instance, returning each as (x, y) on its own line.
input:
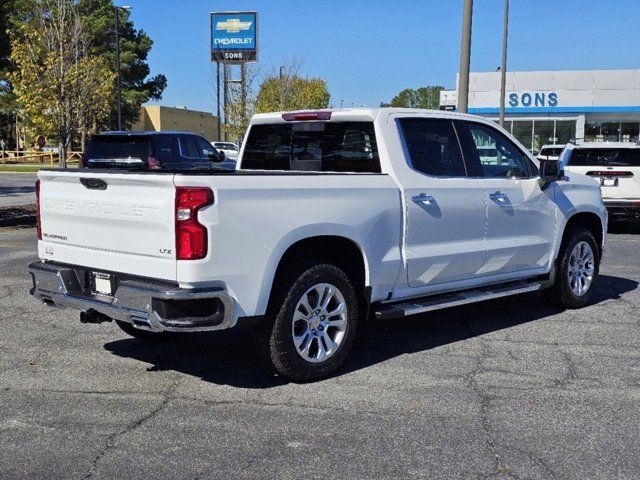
(191, 235)
(81, 161)
(153, 164)
(38, 221)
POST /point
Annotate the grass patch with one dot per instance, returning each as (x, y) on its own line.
(28, 168)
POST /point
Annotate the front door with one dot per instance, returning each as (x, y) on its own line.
(446, 209)
(521, 217)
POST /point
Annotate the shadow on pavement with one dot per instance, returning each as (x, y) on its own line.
(227, 358)
(10, 191)
(623, 227)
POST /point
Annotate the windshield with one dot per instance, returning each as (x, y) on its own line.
(588, 157)
(551, 151)
(118, 147)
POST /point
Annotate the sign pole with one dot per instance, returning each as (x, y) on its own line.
(226, 99)
(218, 100)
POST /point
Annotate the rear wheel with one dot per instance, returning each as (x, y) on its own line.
(577, 270)
(312, 328)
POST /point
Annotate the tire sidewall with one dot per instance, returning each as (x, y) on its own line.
(568, 298)
(283, 353)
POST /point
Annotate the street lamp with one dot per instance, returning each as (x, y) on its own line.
(118, 94)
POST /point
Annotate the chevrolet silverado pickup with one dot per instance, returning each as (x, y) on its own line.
(331, 218)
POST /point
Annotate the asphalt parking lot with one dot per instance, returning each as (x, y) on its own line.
(17, 188)
(504, 389)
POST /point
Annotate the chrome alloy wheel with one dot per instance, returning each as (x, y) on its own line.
(581, 268)
(319, 322)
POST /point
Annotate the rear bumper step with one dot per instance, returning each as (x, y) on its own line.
(437, 302)
(153, 307)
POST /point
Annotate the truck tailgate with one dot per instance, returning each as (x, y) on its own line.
(122, 222)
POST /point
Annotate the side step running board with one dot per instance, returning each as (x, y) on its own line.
(437, 302)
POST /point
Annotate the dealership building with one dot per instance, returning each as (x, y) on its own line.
(555, 107)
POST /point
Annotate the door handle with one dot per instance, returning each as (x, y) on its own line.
(498, 196)
(423, 199)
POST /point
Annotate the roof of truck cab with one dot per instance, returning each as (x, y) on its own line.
(363, 114)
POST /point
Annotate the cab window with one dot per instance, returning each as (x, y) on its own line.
(433, 147)
(492, 154)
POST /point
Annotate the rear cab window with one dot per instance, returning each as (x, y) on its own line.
(312, 146)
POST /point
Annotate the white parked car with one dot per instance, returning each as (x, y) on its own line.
(550, 152)
(230, 149)
(616, 166)
(330, 218)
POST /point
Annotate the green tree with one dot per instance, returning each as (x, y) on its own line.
(423, 97)
(289, 91)
(57, 82)
(137, 86)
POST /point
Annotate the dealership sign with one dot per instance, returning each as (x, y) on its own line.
(234, 37)
(532, 99)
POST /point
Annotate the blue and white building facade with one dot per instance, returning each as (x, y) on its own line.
(554, 107)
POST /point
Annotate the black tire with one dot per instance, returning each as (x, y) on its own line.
(561, 292)
(146, 335)
(273, 338)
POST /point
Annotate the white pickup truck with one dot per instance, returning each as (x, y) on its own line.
(331, 218)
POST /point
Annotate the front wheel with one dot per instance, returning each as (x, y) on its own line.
(313, 329)
(577, 270)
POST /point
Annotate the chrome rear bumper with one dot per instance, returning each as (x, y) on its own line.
(149, 306)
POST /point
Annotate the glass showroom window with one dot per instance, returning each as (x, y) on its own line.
(543, 133)
(565, 131)
(523, 131)
(592, 131)
(630, 132)
(610, 131)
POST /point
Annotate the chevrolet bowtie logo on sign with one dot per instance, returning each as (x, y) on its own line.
(234, 37)
(233, 25)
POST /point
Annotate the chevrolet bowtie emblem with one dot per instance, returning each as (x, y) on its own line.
(233, 25)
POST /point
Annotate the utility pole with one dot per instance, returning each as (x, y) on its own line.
(226, 99)
(118, 93)
(243, 90)
(503, 68)
(465, 56)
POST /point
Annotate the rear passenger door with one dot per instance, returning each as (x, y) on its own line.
(446, 208)
(521, 217)
(192, 156)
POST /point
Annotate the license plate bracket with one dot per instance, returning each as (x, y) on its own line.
(102, 284)
(609, 181)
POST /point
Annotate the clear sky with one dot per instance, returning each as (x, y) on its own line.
(369, 50)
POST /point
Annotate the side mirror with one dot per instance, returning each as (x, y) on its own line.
(550, 171)
(216, 156)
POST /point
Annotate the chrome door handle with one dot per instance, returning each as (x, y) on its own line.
(498, 196)
(423, 199)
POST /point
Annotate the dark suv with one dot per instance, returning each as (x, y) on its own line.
(153, 150)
